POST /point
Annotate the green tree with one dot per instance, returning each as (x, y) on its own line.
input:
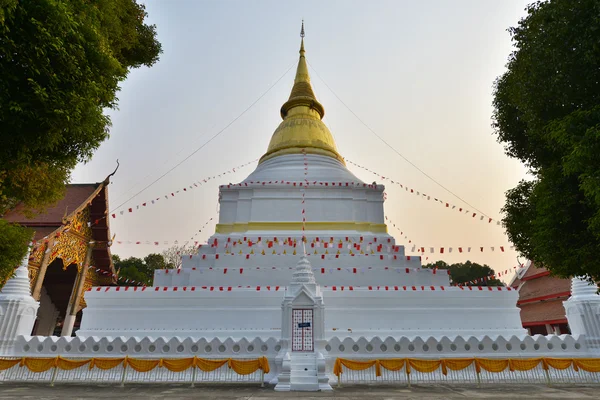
(11, 254)
(467, 272)
(138, 270)
(547, 114)
(61, 63)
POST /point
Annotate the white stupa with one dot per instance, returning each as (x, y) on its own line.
(301, 269)
(302, 200)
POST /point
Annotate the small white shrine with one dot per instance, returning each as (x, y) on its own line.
(301, 270)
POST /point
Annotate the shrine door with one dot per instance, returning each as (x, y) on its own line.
(302, 330)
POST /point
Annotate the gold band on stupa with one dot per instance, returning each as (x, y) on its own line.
(302, 128)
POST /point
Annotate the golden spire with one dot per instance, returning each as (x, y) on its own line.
(302, 127)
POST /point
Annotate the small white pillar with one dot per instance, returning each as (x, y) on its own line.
(17, 308)
(549, 330)
(583, 312)
(303, 292)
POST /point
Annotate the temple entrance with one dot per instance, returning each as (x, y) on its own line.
(302, 330)
(54, 298)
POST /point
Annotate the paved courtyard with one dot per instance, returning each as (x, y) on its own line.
(252, 392)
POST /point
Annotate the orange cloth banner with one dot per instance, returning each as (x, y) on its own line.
(106, 363)
(426, 366)
(587, 364)
(209, 365)
(355, 365)
(6, 364)
(245, 367)
(65, 364)
(34, 364)
(141, 365)
(524, 364)
(456, 364)
(490, 364)
(557, 363)
(39, 364)
(177, 364)
(392, 364)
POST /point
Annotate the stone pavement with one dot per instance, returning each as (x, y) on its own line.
(253, 392)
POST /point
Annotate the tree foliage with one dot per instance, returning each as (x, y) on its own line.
(13, 248)
(138, 270)
(174, 253)
(547, 114)
(61, 63)
(467, 272)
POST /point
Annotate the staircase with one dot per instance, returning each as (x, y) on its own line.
(303, 372)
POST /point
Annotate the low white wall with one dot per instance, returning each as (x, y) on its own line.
(247, 312)
(328, 276)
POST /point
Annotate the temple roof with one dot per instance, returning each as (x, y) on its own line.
(57, 217)
(542, 312)
(46, 222)
(302, 129)
(545, 287)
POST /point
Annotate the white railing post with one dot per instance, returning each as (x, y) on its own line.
(262, 378)
(124, 372)
(194, 368)
(53, 376)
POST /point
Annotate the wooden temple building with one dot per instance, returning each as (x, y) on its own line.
(541, 299)
(71, 252)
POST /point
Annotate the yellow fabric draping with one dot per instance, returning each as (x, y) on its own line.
(141, 365)
(65, 364)
(524, 364)
(426, 366)
(39, 364)
(587, 364)
(6, 364)
(177, 364)
(106, 363)
(456, 364)
(244, 367)
(355, 365)
(557, 363)
(490, 365)
(264, 365)
(392, 364)
(209, 365)
(34, 364)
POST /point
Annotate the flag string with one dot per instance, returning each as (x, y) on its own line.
(462, 210)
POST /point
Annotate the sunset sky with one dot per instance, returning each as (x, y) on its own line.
(419, 74)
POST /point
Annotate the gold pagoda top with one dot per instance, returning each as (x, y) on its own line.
(302, 128)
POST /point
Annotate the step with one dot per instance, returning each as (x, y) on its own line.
(303, 363)
(305, 387)
(303, 374)
(304, 380)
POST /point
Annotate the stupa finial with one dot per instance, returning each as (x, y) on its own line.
(302, 40)
(307, 131)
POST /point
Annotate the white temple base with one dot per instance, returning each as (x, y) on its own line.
(247, 312)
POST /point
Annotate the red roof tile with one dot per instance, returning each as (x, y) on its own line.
(544, 286)
(75, 195)
(532, 271)
(542, 311)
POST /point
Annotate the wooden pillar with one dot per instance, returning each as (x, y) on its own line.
(37, 288)
(71, 313)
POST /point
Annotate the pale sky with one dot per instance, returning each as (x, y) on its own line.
(420, 74)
